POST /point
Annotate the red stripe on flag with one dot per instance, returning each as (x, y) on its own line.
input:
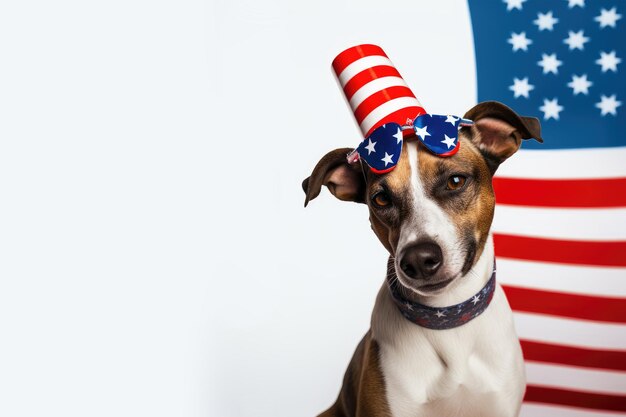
(576, 306)
(574, 356)
(575, 398)
(605, 192)
(350, 55)
(561, 251)
(381, 97)
(366, 76)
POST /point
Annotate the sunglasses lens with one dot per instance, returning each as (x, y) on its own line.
(439, 133)
(382, 148)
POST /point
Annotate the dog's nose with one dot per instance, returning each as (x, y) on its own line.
(421, 261)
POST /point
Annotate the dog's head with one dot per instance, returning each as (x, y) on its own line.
(433, 214)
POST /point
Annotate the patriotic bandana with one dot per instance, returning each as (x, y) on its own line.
(382, 149)
(442, 318)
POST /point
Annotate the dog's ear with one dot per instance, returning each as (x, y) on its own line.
(345, 181)
(498, 131)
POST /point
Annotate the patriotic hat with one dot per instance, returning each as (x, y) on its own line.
(387, 111)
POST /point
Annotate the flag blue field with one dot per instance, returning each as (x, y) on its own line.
(559, 60)
(560, 226)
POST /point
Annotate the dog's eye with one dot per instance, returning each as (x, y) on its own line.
(381, 199)
(455, 182)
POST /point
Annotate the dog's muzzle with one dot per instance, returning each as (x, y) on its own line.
(421, 261)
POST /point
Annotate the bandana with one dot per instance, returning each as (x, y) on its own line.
(438, 133)
(441, 318)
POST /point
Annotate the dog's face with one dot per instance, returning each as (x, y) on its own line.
(433, 214)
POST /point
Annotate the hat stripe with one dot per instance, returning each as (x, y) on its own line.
(379, 98)
(375, 86)
(401, 108)
(352, 54)
(366, 76)
(360, 65)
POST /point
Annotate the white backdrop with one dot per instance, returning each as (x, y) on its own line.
(155, 255)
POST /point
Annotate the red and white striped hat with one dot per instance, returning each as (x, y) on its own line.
(374, 88)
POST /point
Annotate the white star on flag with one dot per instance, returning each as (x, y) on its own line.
(608, 105)
(608, 61)
(550, 63)
(387, 159)
(422, 132)
(448, 141)
(576, 40)
(440, 314)
(370, 146)
(574, 3)
(519, 41)
(475, 299)
(608, 18)
(398, 135)
(580, 84)
(545, 21)
(551, 109)
(513, 4)
(521, 87)
(409, 306)
(451, 119)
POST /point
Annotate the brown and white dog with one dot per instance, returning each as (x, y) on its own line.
(434, 216)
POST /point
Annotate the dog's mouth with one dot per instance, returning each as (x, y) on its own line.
(428, 288)
(436, 285)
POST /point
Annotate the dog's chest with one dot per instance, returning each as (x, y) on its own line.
(472, 370)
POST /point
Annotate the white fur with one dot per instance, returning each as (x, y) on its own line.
(429, 220)
(473, 370)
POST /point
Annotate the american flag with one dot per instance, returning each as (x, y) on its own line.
(560, 226)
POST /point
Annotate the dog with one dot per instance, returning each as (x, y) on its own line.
(434, 217)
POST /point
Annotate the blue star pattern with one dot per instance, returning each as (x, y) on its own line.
(382, 149)
(441, 318)
(558, 60)
(440, 134)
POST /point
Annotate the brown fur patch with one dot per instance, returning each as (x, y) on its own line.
(363, 392)
(396, 183)
(399, 179)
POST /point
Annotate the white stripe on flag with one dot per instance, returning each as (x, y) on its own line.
(374, 86)
(566, 164)
(385, 109)
(584, 280)
(565, 224)
(578, 333)
(576, 378)
(360, 65)
(545, 410)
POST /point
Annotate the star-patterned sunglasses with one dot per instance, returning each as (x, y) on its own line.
(381, 150)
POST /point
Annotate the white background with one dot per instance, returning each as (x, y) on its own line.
(155, 255)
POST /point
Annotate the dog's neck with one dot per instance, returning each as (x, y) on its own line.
(462, 288)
